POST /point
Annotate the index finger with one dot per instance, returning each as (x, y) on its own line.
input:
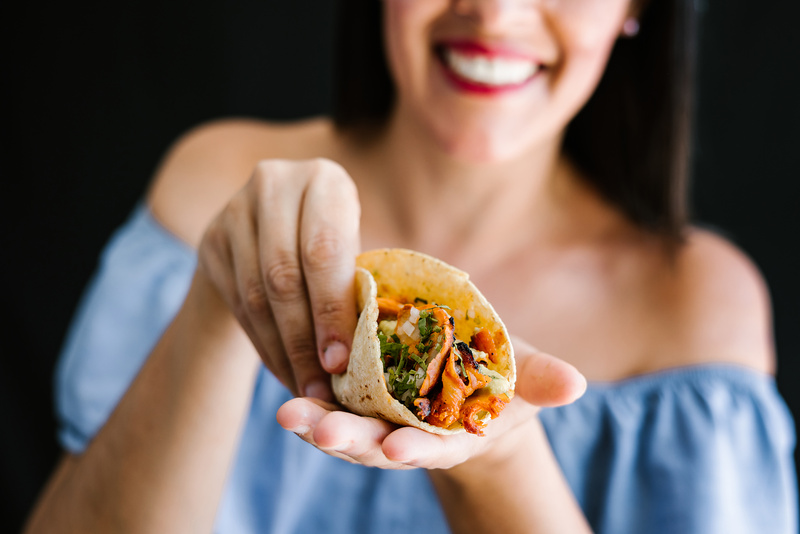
(329, 242)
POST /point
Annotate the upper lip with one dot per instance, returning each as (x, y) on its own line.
(474, 47)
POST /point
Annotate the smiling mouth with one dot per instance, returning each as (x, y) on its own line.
(486, 70)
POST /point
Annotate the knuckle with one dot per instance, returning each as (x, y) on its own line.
(260, 180)
(266, 173)
(213, 245)
(330, 311)
(284, 279)
(239, 309)
(337, 172)
(206, 259)
(230, 218)
(322, 248)
(331, 172)
(348, 194)
(208, 241)
(301, 349)
(263, 169)
(335, 184)
(238, 203)
(328, 167)
(255, 300)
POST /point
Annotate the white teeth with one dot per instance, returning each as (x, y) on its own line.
(490, 70)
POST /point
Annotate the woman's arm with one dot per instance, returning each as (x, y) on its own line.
(519, 489)
(160, 462)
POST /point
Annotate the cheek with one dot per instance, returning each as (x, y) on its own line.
(586, 43)
(585, 23)
(406, 25)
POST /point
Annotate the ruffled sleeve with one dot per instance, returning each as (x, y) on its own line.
(700, 450)
(142, 279)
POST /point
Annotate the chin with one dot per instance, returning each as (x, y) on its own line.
(481, 146)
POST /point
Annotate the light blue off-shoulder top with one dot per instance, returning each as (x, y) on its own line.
(696, 450)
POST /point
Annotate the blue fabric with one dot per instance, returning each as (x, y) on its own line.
(705, 449)
(689, 450)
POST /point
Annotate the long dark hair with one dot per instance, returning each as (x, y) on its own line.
(631, 139)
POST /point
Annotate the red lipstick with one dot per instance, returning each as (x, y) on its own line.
(490, 51)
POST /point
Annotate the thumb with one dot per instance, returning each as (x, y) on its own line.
(544, 380)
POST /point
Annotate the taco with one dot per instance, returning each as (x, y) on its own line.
(429, 350)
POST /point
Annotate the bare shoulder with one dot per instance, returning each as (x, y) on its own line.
(719, 307)
(209, 164)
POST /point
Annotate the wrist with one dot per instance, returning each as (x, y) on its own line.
(524, 439)
(207, 324)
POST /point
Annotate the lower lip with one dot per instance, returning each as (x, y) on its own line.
(469, 86)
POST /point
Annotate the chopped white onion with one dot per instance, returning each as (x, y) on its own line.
(420, 378)
(413, 315)
(408, 333)
(407, 328)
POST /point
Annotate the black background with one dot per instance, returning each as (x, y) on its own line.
(98, 92)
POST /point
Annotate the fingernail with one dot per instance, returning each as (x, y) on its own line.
(319, 390)
(335, 356)
(300, 429)
(584, 386)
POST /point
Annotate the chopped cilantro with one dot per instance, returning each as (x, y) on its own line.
(425, 325)
(394, 350)
(401, 368)
(420, 361)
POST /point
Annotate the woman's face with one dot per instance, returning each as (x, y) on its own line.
(491, 79)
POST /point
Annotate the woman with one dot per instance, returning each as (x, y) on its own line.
(577, 237)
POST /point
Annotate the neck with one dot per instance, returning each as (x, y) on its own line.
(436, 203)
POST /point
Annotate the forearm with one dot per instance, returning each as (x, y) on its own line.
(517, 489)
(160, 462)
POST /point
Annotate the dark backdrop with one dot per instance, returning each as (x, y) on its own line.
(97, 93)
